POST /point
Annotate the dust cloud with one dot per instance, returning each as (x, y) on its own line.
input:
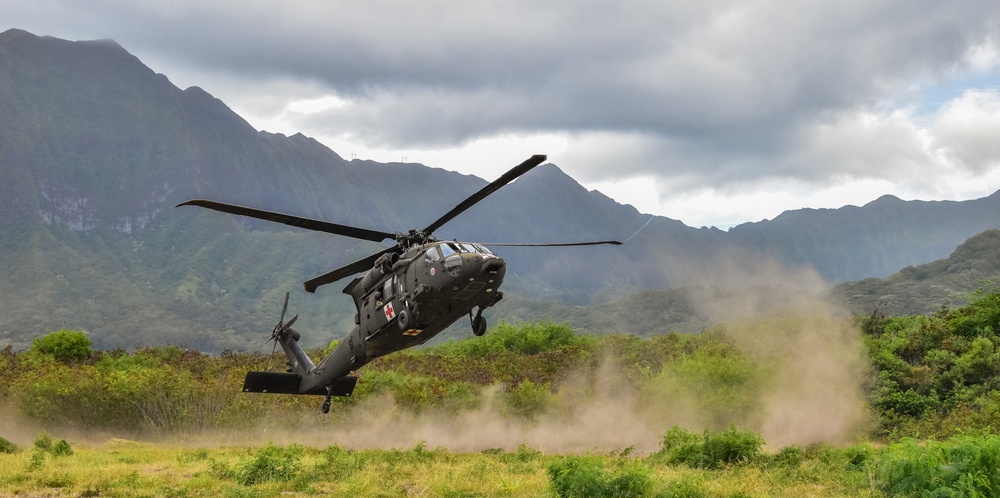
(807, 387)
(783, 318)
(591, 412)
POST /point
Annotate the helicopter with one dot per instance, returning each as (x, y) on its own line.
(409, 293)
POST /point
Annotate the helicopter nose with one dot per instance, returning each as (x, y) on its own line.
(493, 267)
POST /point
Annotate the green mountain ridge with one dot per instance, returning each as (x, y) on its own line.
(96, 149)
(924, 289)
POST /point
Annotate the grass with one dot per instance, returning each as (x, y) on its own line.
(122, 468)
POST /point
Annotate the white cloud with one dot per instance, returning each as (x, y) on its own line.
(967, 130)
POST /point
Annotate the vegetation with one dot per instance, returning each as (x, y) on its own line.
(66, 346)
(937, 376)
(932, 382)
(961, 466)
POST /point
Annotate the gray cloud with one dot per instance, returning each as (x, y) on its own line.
(723, 93)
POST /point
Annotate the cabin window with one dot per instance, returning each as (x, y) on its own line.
(389, 289)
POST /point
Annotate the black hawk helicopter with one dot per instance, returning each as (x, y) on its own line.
(409, 293)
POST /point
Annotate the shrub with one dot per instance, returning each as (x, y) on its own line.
(789, 456)
(43, 441)
(730, 447)
(524, 338)
(61, 448)
(680, 446)
(722, 382)
(574, 476)
(684, 488)
(65, 345)
(711, 450)
(37, 460)
(8, 447)
(961, 466)
(269, 464)
(527, 399)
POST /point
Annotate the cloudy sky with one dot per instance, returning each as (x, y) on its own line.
(710, 112)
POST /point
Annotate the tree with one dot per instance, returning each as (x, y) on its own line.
(65, 345)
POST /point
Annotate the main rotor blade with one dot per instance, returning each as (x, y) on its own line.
(295, 221)
(554, 244)
(346, 271)
(507, 177)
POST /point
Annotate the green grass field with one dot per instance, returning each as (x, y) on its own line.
(810, 403)
(132, 469)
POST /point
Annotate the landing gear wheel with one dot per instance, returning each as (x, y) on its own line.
(479, 325)
(403, 320)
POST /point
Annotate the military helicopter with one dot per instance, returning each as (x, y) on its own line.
(409, 293)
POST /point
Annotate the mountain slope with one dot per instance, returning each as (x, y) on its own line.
(874, 240)
(923, 289)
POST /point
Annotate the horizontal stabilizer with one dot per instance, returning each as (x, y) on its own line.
(288, 383)
(271, 382)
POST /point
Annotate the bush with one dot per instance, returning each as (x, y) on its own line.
(524, 338)
(8, 447)
(65, 345)
(961, 466)
(61, 448)
(789, 456)
(574, 476)
(711, 450)
(730, 447)
(270, 464)
(527, 399)
(680, 446)
(684, 488)
(43, 441)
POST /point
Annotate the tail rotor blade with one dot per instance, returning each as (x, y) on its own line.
(284, 308)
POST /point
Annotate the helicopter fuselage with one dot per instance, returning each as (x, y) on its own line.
(405, 301)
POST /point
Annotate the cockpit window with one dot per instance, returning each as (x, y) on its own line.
(447, 249)
(468, 247)
(482, 249)
(432, 256)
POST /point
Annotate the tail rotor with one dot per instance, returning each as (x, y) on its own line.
(283, 331)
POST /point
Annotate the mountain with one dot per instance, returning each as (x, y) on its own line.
(874, 240)
(924, 289)
(96, 149)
